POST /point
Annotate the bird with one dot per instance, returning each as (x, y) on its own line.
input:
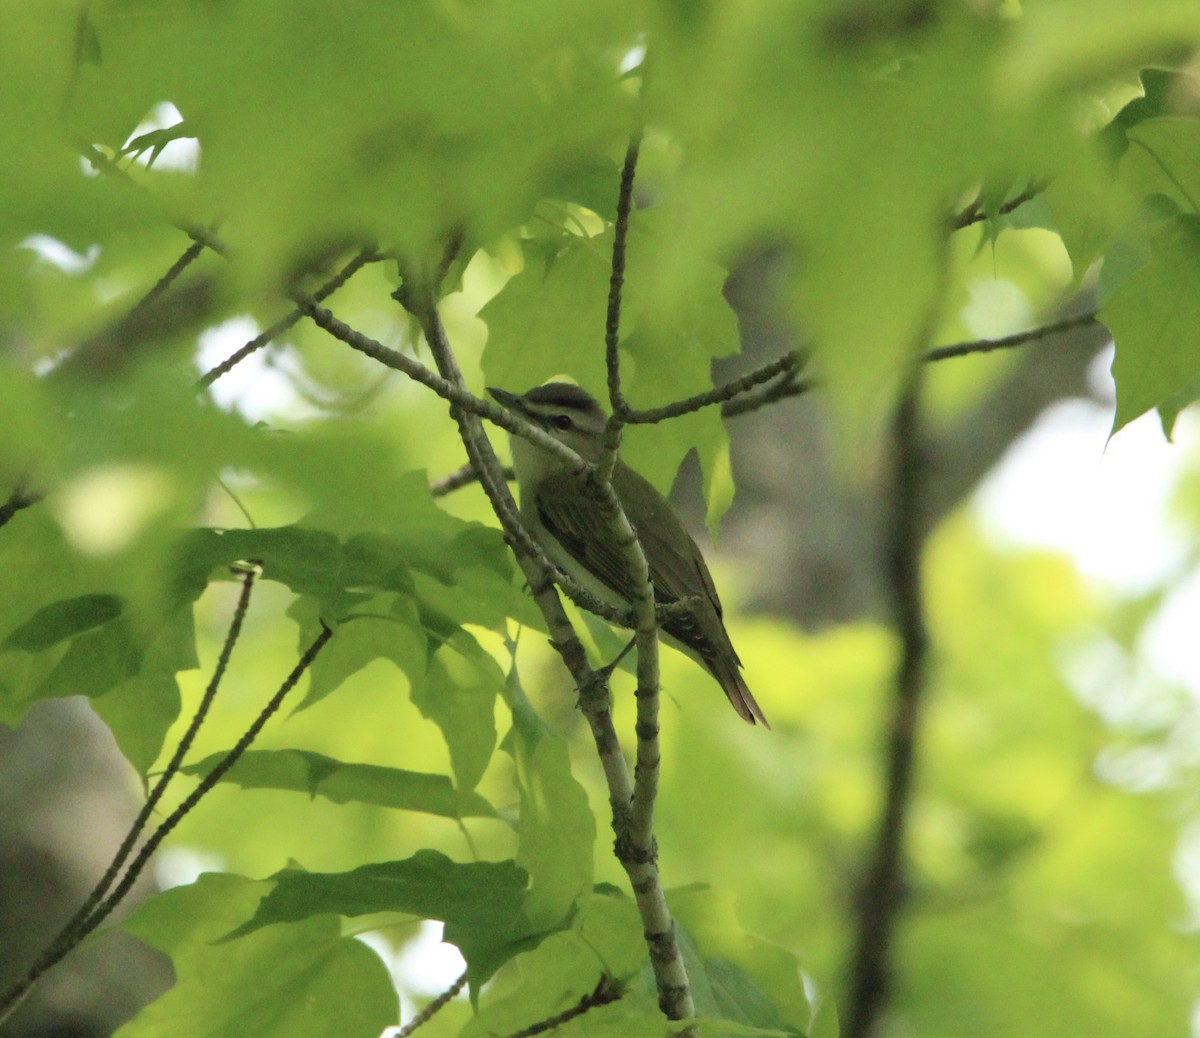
(569, 523)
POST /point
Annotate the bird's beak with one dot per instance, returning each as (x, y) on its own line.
(504, 398)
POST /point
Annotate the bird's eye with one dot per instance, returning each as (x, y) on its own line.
(561, 421)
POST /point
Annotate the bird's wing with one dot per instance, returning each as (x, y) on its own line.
(574, 517)
(677, 569)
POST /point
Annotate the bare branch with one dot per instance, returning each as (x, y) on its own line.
(463, 476)
(190, 255)
(974, 213)
(788, 386)
(616, 281)
(172, 768)
(434, 1007)
(284, 323)
(882, 894)
(20, 498)
(605, 992)
(635, 846)
(453, 392)
(963, 349)
(787, 365)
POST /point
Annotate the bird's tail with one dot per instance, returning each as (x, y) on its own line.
(729, 673)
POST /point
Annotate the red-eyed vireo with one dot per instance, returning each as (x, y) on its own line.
(568, 523)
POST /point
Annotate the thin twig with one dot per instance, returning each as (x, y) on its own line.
(449, 255)
(287, 321)
(616, 280)
(605, 992)
(963, 349)
(11, 998)
(463, 476)
(785, 388)
(160, 787)
(20, 498)
(974, 213)
(787, 365)
(189, 256)
(883, 891)
(454, 393)
(434, 1007)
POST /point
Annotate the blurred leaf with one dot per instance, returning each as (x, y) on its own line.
(319, 775)
(746, 979)
(61, 620)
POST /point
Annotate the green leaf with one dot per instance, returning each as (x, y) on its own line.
(557, 827)
(605, 939)
(361, 639)
(458, 694)
(318, 775)
(96, 661)
(141, 709)
(485, 894)
(480, 902)
(548, 320)
(302, 979)
(1170, 409)
(61, 620)
(738, 977)
(1164, 158)
(1155, 321)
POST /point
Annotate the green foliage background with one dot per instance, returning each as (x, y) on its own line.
(433, 766)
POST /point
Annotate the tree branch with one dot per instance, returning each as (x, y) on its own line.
(882, 894)
(616, 280)
(434, 1007)
(974, 213)
(288, 320)
(189, 256)
(454, 393)
(172, 768)
(787, 365)
(636, 849)
(605, 992)
(963, 349)
(19, 498)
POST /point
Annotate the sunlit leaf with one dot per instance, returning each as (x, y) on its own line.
(318, 775)
(303, 978)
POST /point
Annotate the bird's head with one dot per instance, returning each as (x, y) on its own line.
(565, 411)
